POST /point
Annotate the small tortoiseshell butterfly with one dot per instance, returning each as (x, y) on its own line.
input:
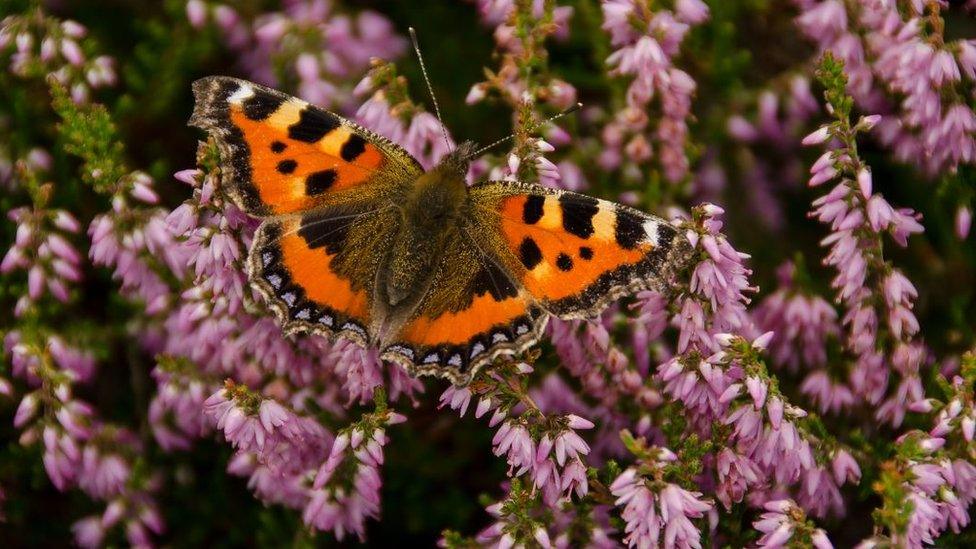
(359, 241)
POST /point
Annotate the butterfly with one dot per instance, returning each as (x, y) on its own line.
(358, 241)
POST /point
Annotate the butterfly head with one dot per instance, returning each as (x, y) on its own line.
(458, 160)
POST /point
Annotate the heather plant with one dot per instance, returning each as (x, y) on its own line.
(808, 381)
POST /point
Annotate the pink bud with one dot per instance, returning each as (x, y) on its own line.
(307, 67)
(762, 341)
(922, 406)
(484, 405)
(864, 182)
(757, 390)
(144, 193)
(820, 540)
(968, 428)
(964, 221)
(196, 13)
(26, 410)
(576, 422)
(476, 94)
(775, 410)
(356, 438)
(868, 122)
(72, 53)
(513, 163)
(73, 29)
(188, 176)
(724, 339)
(35, 282)
(932, 444)
(817, 137)
(67, 222)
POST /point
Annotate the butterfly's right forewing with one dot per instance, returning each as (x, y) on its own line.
(282, 155)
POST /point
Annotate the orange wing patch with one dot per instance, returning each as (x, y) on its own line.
(289, 174)
(560, 263)
(282, 154)
(457, 344)
(293, 270)
(454, 328)
(580, 253)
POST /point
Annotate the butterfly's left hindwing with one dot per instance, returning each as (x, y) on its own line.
(282, 155)
(317, 269)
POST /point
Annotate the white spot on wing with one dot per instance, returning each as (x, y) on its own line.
(521, 329)
(455, 360)
(304, 314)
(266, 258)
(275, 281)
(498, 336)
(650, 227)
(477, 349)
(355, 328)
(289, 298)
(405, 351)
(327, 320)
(431, 358)
(241, 94)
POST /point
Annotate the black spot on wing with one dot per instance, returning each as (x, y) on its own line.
(564, 262)
(319, 182)
(287, 166)
(260, 105)
(312, 125)
(586, 252)
(325, 231)
(352, 148)
(532, 210)
(628, 229)
(491, 279)
(529, 253)
(665, 236)
(578, 212)
(278, 147)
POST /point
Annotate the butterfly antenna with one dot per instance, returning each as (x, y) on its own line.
(552, 118)
(430, 89)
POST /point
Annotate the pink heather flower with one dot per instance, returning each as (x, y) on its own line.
(830, 396)
(458, 398)
(342, 505)
(102, 475)
(736, 474)
(513, 440)
(650, 514)
(779, 523)
(801, 324)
